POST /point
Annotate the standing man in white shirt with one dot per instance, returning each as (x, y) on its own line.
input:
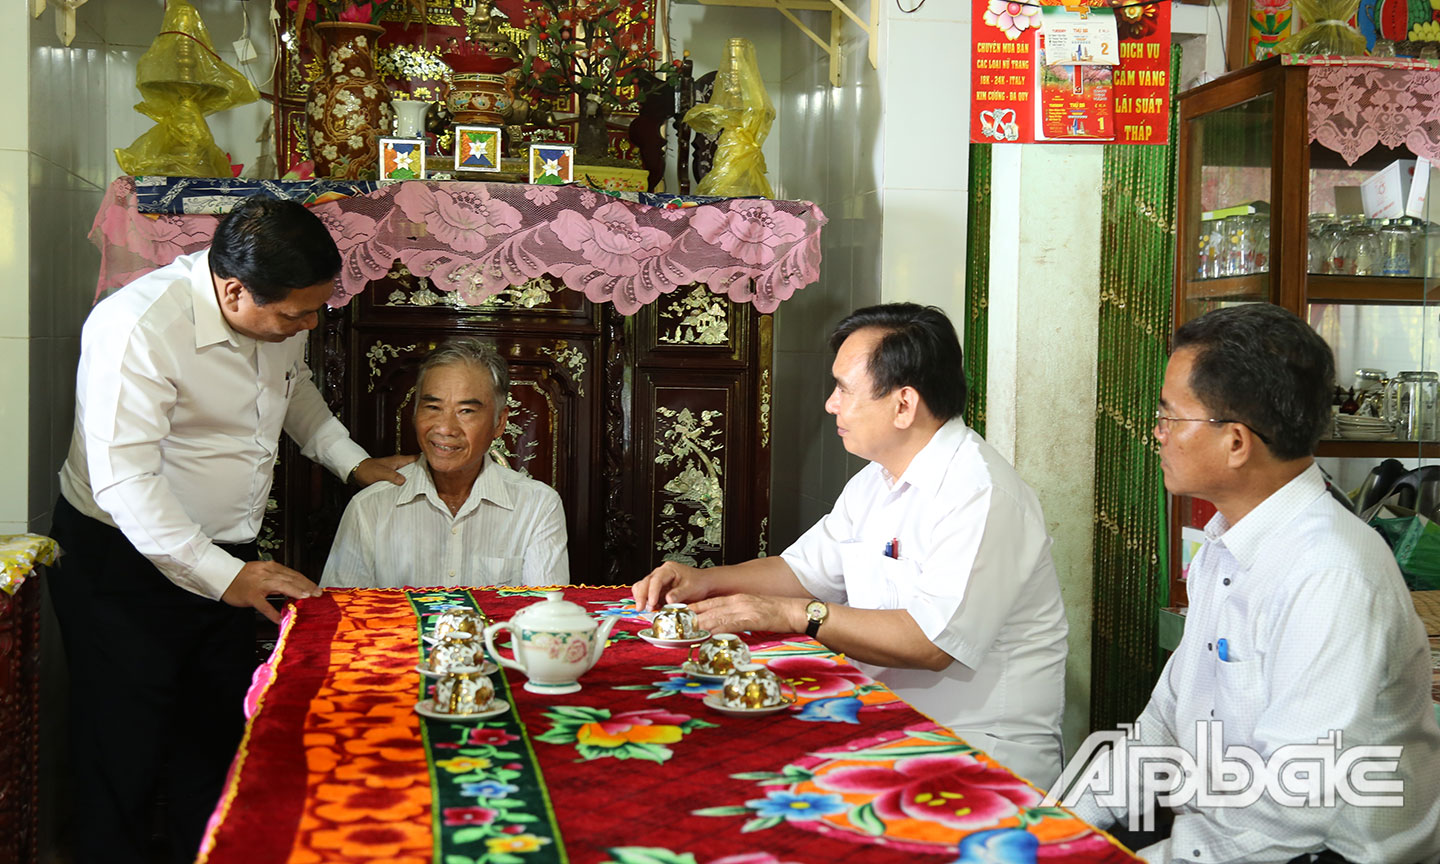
(463, 517)
(187, 376)
(933, 571)
(1300, 625)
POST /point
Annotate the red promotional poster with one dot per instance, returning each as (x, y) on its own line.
(1017, 100)
(1142, 81)
(1002, 76)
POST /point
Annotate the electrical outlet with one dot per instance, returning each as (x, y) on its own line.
(245, 50)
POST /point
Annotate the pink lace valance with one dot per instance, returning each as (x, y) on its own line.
(1353, 108)
(480, 238)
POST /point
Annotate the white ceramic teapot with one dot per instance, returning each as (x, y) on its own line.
(554, 641)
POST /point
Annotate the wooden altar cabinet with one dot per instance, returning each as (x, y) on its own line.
(637, 335)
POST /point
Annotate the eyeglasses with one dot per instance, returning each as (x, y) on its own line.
(1162, 423)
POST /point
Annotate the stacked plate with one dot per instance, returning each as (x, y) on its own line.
(1357, 428)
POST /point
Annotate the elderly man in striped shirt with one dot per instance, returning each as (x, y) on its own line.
(462, 517)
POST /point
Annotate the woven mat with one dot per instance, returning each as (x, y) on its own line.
(1427, 603)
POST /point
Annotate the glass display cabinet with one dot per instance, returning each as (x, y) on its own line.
(1272, 162)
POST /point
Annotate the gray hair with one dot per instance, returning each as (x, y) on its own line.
(475, 354)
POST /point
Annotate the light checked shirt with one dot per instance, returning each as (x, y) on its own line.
(509, 531)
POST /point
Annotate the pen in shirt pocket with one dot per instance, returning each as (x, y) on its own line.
(288, 376)
(1222, 648)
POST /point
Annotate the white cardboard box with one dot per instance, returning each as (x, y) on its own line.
(1392, 192)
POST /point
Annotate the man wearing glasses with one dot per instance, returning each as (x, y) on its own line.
(1299, 625)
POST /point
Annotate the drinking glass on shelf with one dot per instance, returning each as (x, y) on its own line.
(1316, 251)
(1210, 250)
(1242, 235)
(1394, 242)
(1335, 246)
(1262, 244)
(1363, 250)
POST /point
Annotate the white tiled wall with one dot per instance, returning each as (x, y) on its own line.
(884, 156)
(830, 154)
(14, 267)
(67, 167)
(926, 155)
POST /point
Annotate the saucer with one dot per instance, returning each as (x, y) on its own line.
(689, 668)
(648, 635)
(1366, 435)
(714, 701)
(426, 708)
(488, 669)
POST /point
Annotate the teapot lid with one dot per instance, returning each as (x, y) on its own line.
(555, 613)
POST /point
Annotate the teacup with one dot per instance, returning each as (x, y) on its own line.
(458, 650)
(752, 686)
(463, 693)
(674, 621)
(472, 621)
(720, 654)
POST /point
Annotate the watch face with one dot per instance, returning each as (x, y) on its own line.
(816, 610)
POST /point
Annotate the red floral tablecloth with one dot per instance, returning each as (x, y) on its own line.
(633, 769)
(481, 238)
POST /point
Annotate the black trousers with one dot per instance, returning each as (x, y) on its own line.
(158, 677)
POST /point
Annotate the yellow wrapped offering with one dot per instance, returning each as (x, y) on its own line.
(182, 80)
(741, 113)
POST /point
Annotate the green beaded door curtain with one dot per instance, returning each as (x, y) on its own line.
(1137, 272)
(975, 329)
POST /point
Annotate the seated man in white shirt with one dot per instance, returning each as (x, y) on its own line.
(463, 517)
(1299, 628)
(933, 570)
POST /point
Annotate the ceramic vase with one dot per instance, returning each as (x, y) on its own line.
(409, 117)
(481, 98)
(348, 108)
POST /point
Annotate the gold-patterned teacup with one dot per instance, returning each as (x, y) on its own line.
(752, 686)
(458, 650)
(464, 693)
(675, 621)
(720, 654)
(472, 621)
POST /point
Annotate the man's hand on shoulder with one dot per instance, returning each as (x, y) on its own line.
(733, 613)
(671, 582)
(373, 470)
(259, 579)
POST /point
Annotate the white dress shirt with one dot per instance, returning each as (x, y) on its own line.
(178, 420)
(1320, 635)
(975, 573)
(509, 531)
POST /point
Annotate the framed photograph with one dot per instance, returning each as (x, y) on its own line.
(552, 164)
(402, 159)
(477, 148)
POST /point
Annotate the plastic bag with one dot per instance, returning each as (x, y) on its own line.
(1415, 541)
(1328, 30)
(182, 79)
(740, 112)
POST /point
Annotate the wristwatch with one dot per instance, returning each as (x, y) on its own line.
(817, 612)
